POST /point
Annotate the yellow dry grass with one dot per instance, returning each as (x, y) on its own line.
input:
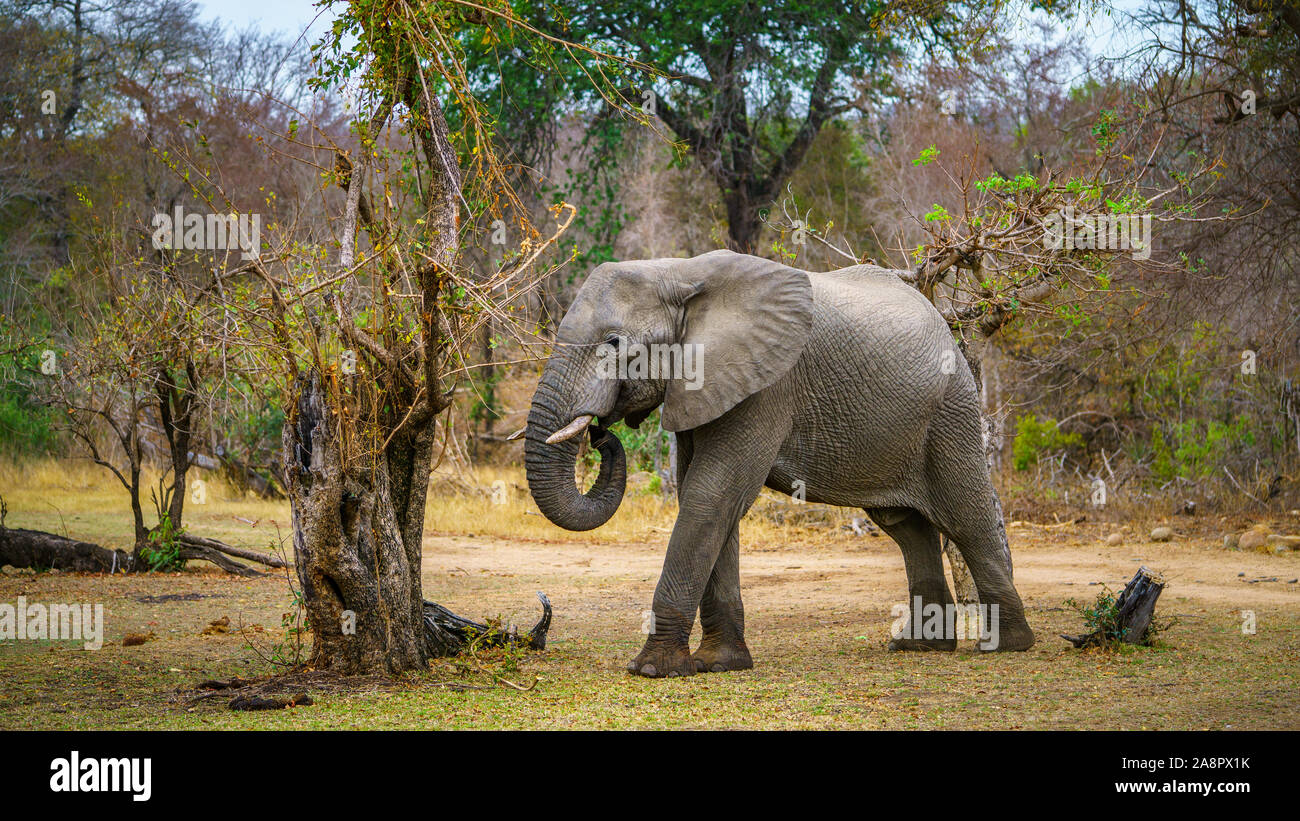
(82, 500)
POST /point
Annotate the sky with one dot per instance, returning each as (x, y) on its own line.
(1106, 34)
(290, 16)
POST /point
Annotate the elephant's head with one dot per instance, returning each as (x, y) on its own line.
(695, 335)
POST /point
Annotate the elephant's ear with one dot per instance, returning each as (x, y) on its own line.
(747, 320)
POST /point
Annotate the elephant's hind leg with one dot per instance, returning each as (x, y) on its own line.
(722, 615)
(919, 541)
(966, 511)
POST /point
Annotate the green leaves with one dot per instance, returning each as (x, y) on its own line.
(1105, 131)
(995, 182)
(938, 214)
(1037, 437)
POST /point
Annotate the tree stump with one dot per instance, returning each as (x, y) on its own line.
(447, 634)
(1135, 607)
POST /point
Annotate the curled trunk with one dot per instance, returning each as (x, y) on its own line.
(550, 468)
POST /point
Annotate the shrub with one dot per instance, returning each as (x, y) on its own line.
(163, 552)
(1037, 436)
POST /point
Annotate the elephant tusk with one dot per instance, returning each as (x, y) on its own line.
(512, 437)
(574, 428)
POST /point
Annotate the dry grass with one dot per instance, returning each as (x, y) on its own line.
(79, 499)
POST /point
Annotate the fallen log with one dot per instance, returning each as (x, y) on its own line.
(45, 551)
(189, 552)
(274, 703)
(448, 634)
(246, 477)
(1134, 609)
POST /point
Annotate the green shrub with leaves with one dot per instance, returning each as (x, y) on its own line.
(1102, 618)
(1195, 448)
(288, 651)
(640, 445)
(1039, 436)
(27, 428)
(163, 551)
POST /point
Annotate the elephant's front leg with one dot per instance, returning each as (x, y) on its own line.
(727, 469)
(722, 615)
(692, 552)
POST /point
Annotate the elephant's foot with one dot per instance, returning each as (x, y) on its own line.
(662, 661)
(721, 657)
(1011, 639)
(939, 645)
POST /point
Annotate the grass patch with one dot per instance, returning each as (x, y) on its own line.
(817, 606)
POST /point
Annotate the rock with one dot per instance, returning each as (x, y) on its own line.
(1230, 541)
(643, 481)
(1162, 534)
(1253, 539)
(1281, 544)
(8, 570)
(1115, 539)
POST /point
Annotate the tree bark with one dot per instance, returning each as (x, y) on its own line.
(176, 404)
(962, 581)
(357, 527)
(743, 222)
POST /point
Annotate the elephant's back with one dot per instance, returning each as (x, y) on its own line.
(874, 306)
(879, 362)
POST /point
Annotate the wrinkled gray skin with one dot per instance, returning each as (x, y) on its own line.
(846, 381)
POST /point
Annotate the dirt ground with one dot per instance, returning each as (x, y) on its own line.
(818, 617)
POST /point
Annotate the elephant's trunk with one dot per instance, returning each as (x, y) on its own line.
(550, 466)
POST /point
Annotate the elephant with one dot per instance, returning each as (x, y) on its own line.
(844, 386)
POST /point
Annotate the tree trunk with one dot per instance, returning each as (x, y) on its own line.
(963, 584)
(357, 527)
(743, 224)
(176, 404)
(1130, 622)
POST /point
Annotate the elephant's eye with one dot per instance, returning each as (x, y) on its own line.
(613, 340)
